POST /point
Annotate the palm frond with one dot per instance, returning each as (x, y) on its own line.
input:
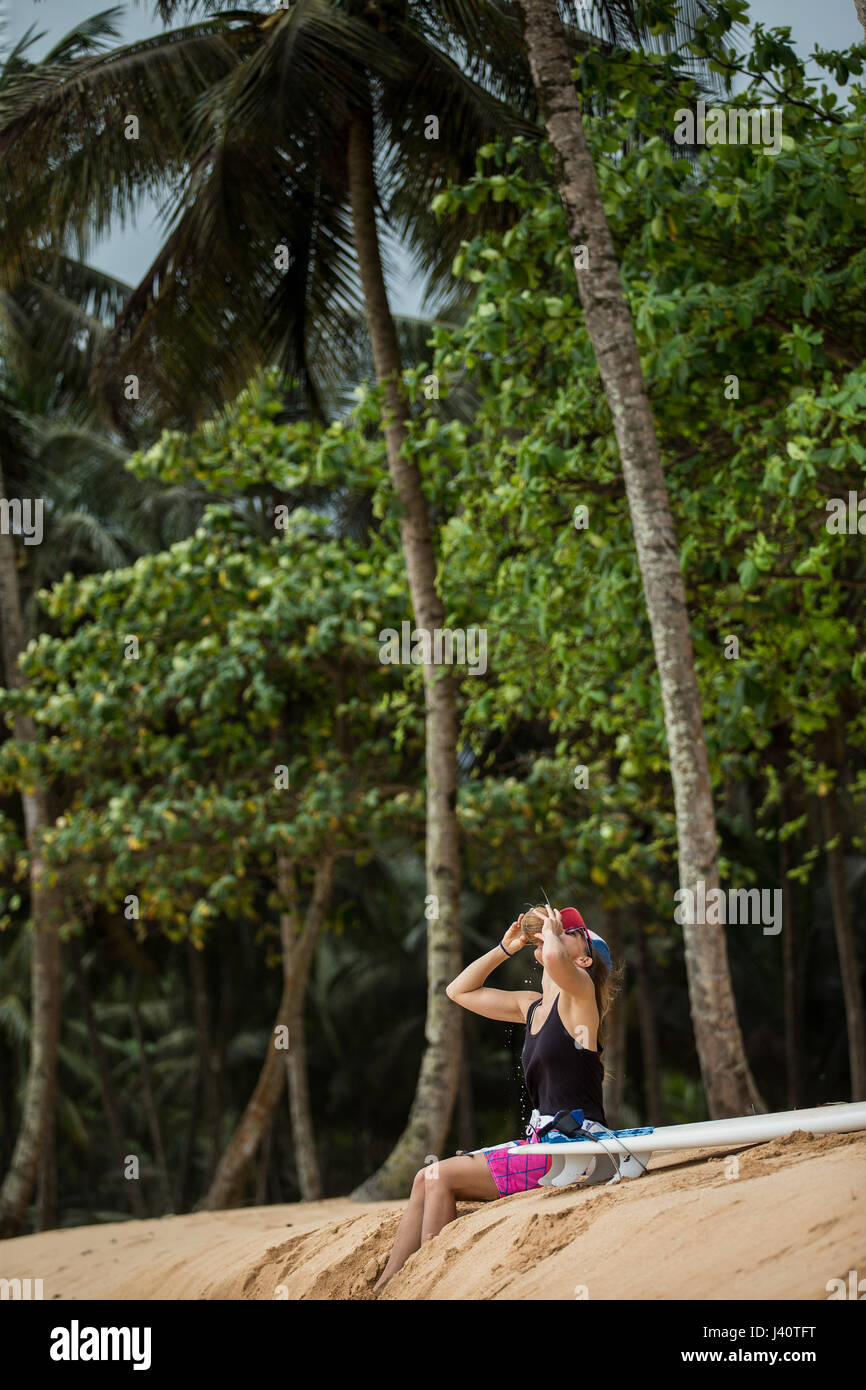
(214, 306)
(80, 536)
(417, 167)
(50, 320)
(69, 165)
(486, 38)
(616, 23)
(89, 36)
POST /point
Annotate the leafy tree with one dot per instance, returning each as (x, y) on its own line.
(730, 1086)
(716, 301)
(262, 129)
(228, 695)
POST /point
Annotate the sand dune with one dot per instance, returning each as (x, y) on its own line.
(776, 1220)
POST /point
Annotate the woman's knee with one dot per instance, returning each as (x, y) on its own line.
(439, 1174)
(467, 1178)
(448, 1174)
(444, 1173)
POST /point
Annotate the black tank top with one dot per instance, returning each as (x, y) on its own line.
(560, 1075)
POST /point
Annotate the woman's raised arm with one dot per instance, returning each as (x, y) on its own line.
(505, 1005)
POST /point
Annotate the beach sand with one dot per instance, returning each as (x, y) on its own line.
(775, 1220)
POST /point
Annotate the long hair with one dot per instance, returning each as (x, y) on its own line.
(606, 980)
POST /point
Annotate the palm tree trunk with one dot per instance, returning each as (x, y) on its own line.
(300, 1110)
(264, 1163)
(728, 1081)
(45, 907)
(46, 1189)
(226, 1187)
(860, 7)
(430, 1114)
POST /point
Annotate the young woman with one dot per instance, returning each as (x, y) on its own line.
(561, 1065)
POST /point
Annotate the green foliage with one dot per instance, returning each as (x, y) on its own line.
(753, 267)
(258, 633)
(197, 673)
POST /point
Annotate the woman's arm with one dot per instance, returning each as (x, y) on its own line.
(506, 1005)
(578, 1010)
(559, 965)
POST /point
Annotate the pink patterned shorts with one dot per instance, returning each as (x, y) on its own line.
(516, 1172)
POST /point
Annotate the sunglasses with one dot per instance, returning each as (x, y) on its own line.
(570, 931)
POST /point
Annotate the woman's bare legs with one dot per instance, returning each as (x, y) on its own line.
(408, 1237)
(433, 1204)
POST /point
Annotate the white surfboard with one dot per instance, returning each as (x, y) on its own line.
(609, 1157)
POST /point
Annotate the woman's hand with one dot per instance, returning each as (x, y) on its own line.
(551, 926)
(514, 940)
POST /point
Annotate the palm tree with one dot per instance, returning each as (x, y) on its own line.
(38, 1107)
(276, 138)
(54, 313)
(730, 1087)
(50, 451)
(25, 433)
(860, 7)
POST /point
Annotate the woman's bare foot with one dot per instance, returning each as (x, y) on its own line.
(381, 1268)
(384, 1278)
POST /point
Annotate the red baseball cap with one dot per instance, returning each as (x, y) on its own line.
(571, 919)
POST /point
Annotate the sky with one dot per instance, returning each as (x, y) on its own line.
(127, 253)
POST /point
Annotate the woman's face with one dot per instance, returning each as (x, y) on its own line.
(575, 945)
